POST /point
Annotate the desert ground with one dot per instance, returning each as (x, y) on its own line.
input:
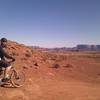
(54, 76)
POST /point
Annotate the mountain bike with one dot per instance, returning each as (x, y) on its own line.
(16, 78)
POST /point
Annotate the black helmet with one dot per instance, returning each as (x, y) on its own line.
(3, 40)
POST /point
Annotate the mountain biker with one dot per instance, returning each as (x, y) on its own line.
(3, 62)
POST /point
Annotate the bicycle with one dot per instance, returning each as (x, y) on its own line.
(17, 78)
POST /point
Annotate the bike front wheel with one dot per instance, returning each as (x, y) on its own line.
(17, 79)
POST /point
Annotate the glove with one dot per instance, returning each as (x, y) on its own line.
(13, 59)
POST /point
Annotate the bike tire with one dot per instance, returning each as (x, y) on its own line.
(19, 80)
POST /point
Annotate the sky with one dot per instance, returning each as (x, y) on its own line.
(50, 23)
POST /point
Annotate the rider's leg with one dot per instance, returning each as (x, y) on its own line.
(7, 67)
(6, 72)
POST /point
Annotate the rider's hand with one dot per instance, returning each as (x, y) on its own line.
(13, 59)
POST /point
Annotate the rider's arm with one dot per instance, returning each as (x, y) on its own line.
(7, 55)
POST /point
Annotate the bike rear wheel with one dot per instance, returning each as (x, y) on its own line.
(17, 78)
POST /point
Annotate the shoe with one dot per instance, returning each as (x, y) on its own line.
(1, 83)
(6, 79)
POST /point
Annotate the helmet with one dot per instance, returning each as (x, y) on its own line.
(3, 40)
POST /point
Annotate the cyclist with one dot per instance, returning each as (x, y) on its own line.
(3, 62)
